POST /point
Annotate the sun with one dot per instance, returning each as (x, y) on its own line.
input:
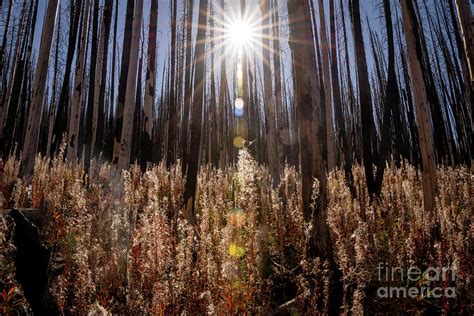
(240, 34)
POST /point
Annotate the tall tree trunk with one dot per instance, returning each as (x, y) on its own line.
(341, 133)
(268, 100)
(306, 92)
(391, 103)
(79, 89)
(52, 110)
(365, 98)
(130, 96)
(354, 119)
(223, 104)
(282, 131)
(36, 107)
(61, 120)
(90, 107)
(150, 83)
(127, 39)
(173, 110)
(187, 85)
(26, 88)
(320, 76)
(312, 164)
(196, 116)
(408, 100)
(331, 154)
(110, 135)
(213, 122)
(101, 72)
(244, 124)
(422, 109)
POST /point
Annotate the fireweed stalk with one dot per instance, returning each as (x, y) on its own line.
(121, 245)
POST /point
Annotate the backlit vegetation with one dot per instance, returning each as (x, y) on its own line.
(120, 243)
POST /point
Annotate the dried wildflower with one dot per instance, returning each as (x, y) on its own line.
(122, 245)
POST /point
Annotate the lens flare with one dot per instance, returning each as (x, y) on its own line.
(239, 112)
(236, 250)
(239, 142)
(239, 103)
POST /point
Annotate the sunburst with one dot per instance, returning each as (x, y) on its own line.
(239, 33)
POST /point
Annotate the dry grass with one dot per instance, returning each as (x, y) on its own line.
(121, 244)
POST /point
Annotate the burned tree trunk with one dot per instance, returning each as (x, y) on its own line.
(423, 118)
(365, 99)
(36, 106)
(196, 117)
(130, 96)
(126, 47)
(268, 96)
(78, 92)
(150, 85)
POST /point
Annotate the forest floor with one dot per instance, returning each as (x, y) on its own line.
(119, 243)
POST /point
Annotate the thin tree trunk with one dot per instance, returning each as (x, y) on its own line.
(130, 96)
(341, 134)
(391, 103)
(351, 97)
(268, 97)
(52, 109)
(150, 83)
(101, 74)
(61, 120)
(245, 123)
(223, 104)
(423, 117)
(331, 154)
(196, 117)
(78, 91)
(282, 129)
(365, 98)
(126, 47)
(173, 111)
(98, 138)
(187, 86)
(312, 164)
(109, 136)
(36, 107)
(213, 122)
(90, 127)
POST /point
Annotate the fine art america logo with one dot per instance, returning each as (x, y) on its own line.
(432, 282)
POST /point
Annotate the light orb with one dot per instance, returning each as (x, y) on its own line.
(239, 103)
(239, 112)
(239, 142)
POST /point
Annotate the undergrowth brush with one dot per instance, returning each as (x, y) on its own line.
(120, 242)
